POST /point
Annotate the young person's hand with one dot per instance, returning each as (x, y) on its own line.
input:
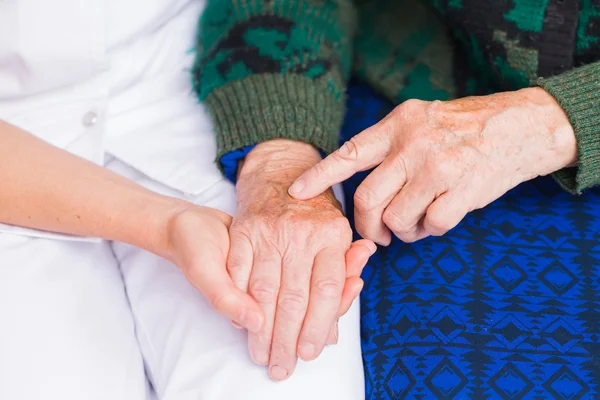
(198, 242)
(44, 187)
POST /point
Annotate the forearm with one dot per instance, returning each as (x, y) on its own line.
(43, 187)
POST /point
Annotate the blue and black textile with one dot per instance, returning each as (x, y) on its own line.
(505, 306)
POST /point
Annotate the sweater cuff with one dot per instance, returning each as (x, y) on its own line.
(229, 162)
(578, 92)
(271, 106)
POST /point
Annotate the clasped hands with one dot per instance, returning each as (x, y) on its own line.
(292, 269)
(285, 270)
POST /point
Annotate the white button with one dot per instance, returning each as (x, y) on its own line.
(90, 118)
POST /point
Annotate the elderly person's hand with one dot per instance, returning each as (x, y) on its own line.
(437, 161)
(290, 256)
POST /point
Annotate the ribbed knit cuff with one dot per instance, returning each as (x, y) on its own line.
(270, 106)
(578, 92)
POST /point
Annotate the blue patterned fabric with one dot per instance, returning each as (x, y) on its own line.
(505, 306)
(229, 162)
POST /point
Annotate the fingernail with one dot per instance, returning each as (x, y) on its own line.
(278, 373)
(251, 321)
(372, 248)
(307, 351)
(259, 357)
(236, 325)
(296, 188)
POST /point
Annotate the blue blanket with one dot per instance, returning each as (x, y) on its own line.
(505, 306)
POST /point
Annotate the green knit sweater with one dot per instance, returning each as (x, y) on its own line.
(279, 68)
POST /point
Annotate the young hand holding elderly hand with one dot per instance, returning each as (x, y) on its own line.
(437, 161)
(296, 257)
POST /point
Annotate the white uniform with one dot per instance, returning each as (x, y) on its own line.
(83, 318)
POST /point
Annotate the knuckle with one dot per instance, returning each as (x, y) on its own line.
(261, 340)
(348, 151)
(410, 236)
(396, 221)
(437, 224)
(365, 199)
(263, 291)
(322, 169)
(328, 288)
(292, 301)
(281, 350)
(338, 228)
(341, 226)
(405, 109)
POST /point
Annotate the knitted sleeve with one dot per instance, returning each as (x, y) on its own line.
(270, 69)
(578, 92)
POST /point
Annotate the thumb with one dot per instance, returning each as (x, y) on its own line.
(357, 256)
(356, 259)
(209, 275)
(364, 151)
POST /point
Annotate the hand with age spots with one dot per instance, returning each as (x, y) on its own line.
(437, 161)
(295, 258)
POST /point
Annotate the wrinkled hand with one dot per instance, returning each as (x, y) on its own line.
(290, 256)
(198, 242)
(437, 161)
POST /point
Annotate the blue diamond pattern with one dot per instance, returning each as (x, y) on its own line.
(450, 265)
(403, 325)
(564, 384)
(510, 331)
(558, 278)
(508, 274)
(561, 335)
(446, 325)
(510, 383)
(399, 381)
(445, 380)
(408, 263)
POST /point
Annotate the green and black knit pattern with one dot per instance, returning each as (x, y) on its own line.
(279, 68)
(273, 69)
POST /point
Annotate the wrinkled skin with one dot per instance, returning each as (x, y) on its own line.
(295, 258)
(437, 161)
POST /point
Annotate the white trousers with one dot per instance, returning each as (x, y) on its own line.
(107, 321)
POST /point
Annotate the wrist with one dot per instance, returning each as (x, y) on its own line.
(561, 149)
(281, 159)
(271, 167)
(160, 214)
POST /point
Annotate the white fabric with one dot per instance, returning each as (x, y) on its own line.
(89, 319)
(71, 313)
(102, 76)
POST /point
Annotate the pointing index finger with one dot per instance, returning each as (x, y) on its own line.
(364, 151)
